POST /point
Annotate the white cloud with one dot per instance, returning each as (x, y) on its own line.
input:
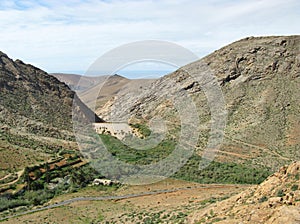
(59, 36)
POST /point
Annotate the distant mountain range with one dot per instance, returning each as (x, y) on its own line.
(102, 89)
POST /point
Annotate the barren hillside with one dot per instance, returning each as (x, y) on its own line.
(102, 89)
(276, 200)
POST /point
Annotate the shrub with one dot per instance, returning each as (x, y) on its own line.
(6, 203)
(280, 193)
(216, 172)
(143, 129)
(294, 187)
(263, 199)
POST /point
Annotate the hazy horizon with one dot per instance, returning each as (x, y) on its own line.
(59, 36)
(131, 74)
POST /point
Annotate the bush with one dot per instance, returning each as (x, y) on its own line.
(294, 187)
(280, 193)
(142, 128)
(38, 197)
(6, 203)
(263, 199)
(225, 173)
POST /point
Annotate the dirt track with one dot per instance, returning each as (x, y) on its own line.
(120, 197)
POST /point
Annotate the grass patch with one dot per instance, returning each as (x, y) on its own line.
(216, 172)
(225, 173)
(133, 156)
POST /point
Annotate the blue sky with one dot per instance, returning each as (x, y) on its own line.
(68, 36)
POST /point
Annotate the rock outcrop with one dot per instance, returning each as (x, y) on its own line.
(276, 201)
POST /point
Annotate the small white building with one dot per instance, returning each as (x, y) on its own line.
(105, 182)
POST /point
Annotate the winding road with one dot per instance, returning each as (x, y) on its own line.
(19, 174)
(113, 197)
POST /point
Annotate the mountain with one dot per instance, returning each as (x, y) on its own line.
(105, 88)
(276, 200)
(78, 82)
(35, 115)
(259, 79)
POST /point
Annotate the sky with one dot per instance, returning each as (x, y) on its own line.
(68, 36)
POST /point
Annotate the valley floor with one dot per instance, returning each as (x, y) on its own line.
(169, 201)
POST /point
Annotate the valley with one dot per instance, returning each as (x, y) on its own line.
(46, 177)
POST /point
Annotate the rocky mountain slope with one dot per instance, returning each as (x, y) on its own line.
(276, 200)
(35, 114)
(105, 88)
(259, 78)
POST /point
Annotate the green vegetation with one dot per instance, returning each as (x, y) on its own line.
(280, 193)
(79, 177)
(27, 142)
(216, 172)
(149, 217)
(26, 199)
(142, 128)
(294, 187)
(129, 155)
(8, 203)
(263, 199)
(38, 192)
